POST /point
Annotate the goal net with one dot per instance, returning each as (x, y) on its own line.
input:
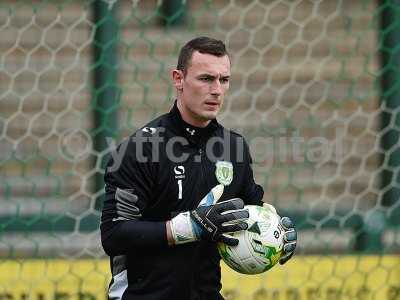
(315, 90)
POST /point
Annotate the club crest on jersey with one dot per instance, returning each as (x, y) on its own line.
(224, 172)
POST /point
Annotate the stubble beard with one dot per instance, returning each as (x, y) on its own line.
(207, 115)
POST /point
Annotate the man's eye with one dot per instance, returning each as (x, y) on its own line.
(224, 80)
(208, 79)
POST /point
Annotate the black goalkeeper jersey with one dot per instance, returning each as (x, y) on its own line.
(163, 169)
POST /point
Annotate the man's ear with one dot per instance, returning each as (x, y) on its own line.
(177, 78)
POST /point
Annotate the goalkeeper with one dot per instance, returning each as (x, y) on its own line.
(177, 186)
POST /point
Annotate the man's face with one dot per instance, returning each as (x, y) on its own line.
(201, 92)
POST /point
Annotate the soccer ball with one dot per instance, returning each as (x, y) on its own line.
(260, 246)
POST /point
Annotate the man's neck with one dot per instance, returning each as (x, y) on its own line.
(189, 118)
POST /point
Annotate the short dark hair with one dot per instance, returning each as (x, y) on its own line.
(202, 44)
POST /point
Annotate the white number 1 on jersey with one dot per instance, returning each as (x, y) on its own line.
(180, 189)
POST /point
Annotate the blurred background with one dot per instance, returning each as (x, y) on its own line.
(315, 90)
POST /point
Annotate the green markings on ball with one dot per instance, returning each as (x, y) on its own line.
(227, 257)
(273, 255)
(258, 249)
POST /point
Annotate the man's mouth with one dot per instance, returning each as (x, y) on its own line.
(212, 103)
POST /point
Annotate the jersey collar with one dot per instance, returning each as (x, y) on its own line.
(192, 133)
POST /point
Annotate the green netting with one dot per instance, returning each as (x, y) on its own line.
(315, 90)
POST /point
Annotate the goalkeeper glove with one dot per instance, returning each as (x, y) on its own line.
(289, 237)
(210, 220)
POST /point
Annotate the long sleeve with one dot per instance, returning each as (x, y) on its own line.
(129, 181)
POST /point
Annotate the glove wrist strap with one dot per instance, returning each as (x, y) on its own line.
(182, 229)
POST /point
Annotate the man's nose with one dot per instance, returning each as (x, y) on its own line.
(216, 88)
